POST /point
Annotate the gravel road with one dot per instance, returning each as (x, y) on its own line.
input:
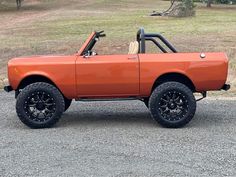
(119, 139)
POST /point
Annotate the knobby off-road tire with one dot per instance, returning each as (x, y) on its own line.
(67, 103)
(172, 104)
(40, 105)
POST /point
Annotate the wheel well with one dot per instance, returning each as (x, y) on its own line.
(32, 79)
(174, 77)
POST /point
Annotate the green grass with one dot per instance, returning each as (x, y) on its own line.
(64, 25)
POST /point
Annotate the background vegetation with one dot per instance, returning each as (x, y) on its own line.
(59, 27)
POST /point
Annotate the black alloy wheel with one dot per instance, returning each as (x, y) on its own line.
(172, 104)
(40, 105)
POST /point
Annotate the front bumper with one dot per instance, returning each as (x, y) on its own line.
(225, 87)
(8, 88)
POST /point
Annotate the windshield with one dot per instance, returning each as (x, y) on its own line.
(88, 49)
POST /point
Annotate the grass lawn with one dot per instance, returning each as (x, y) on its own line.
(60, 27)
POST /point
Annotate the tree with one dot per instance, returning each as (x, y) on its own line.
(18, 4)
(209, 2)
(164, 13)
(183, 8)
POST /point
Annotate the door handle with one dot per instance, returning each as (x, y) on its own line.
(132, 58)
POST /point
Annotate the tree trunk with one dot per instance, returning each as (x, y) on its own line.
(209, 3)
(18, 4)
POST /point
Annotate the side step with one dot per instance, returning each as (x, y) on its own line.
(107, 99)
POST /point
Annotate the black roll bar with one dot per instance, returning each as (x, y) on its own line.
(157, 43)
(141, 40)
(142, 37)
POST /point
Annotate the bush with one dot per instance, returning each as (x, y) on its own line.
(184, 9)
(218, 1)
(224, 1)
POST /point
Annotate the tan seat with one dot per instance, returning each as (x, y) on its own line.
(134, 47)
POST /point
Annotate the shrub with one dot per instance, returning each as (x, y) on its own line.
(184, 9)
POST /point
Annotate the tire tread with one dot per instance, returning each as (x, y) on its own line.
(35, 86)
(167, 86)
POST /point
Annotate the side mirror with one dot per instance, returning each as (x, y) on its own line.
(86, 56)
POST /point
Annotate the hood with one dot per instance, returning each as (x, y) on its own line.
(39, 59)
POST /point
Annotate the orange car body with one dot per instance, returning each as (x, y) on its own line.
(129, 75)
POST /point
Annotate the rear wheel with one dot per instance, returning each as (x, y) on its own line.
(172, 104)
(40, 105)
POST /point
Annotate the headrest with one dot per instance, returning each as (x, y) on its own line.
(134, 47)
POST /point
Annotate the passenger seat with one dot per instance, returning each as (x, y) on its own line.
(133, 47)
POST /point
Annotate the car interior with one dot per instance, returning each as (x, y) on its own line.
(134, 47)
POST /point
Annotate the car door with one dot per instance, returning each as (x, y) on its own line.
(107, 75)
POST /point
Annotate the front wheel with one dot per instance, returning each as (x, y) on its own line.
(67, 103)
(172, 104)
(40, 105)
(146, 100)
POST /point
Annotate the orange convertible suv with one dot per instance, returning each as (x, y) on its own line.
(45, 85)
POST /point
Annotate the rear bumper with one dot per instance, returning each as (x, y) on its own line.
(8, 88)
(225, 87)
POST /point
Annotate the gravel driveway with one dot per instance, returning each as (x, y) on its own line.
(119, 139)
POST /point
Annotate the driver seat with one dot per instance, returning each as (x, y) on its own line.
(133, 47)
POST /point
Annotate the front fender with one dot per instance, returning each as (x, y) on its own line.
(62, 75)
